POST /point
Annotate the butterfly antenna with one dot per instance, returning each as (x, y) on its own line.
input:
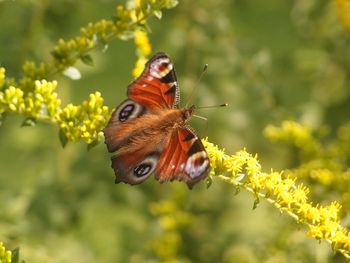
(205, 119)
(197, 84)
(213, 106)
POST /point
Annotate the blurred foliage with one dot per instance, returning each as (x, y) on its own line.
(272, 61)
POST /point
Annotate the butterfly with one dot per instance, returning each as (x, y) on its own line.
(149, 134)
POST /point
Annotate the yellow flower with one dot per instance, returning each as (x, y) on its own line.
(5, 255)
(84, 121)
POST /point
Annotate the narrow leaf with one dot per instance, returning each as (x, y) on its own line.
(2, 117)
(87, 59)
(92, 145)
(15, 255)
(209, 182)
(63, 138)
(256, 202)
(56, 55)
(29, 122)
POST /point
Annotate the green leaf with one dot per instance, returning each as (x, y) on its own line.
(209, 181)
(256, 202)
(237, 190)
(92, 145)
(158, 13)
(87, 59)
(29, 122)
(56, 55)
(15, 255)
(2, 117)
(63, 138)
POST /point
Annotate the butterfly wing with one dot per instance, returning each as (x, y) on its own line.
(134, 168)
(157, 87)
(183, 158)
(117, 134)
(154, 90)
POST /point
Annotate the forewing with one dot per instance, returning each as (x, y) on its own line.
(115, 135)
(183, 158)
(157, 87)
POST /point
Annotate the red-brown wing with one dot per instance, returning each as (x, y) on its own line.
(183, 159)
(134, 168)
(157, 87)
(116, 133)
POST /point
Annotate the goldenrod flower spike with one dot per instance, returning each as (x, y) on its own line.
(5, 255)
(244, 171)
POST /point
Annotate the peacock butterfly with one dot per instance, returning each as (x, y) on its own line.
(148, 132)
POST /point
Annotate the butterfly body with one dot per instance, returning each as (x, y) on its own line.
(149, 133)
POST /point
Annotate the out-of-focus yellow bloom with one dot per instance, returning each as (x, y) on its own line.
(343, 7)
(139, 67)
(2, 77)
(171, 219)
(293, 133)
(5, 255)
(142, 42)
(143, 50)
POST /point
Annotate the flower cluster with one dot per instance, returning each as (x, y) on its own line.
(244, 171)
(5, 255)
(170, 220)
(76, 122)
(41, 103)
(84, 121)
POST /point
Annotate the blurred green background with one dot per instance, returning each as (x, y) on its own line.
(270, 60)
